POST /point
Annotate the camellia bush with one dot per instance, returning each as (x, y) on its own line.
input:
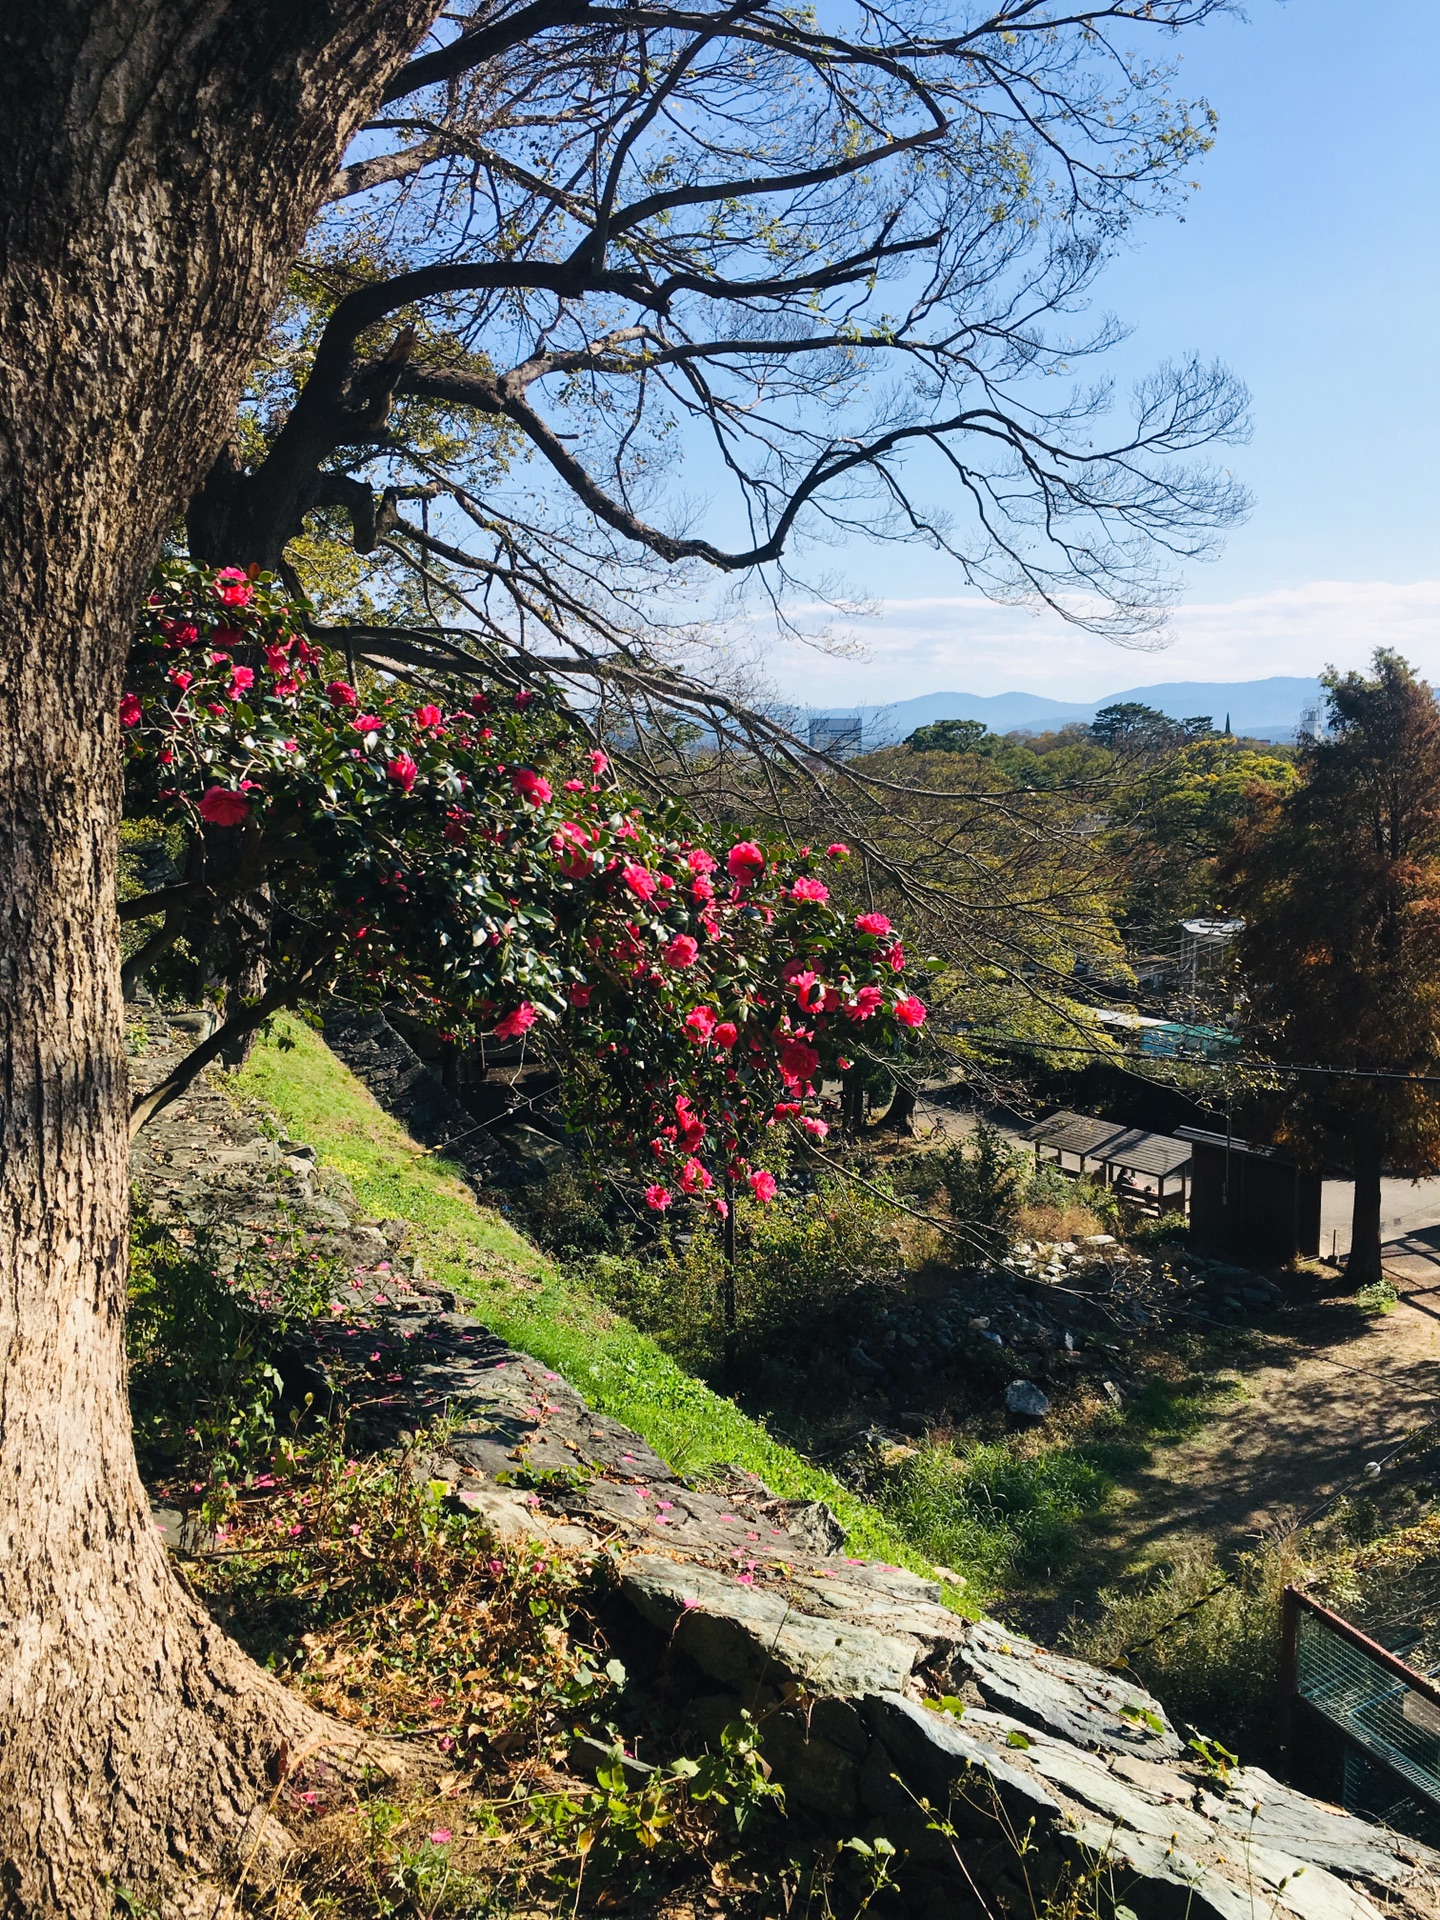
(471, 853)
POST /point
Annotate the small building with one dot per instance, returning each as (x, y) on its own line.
(1250, 1201)
(1139, 1166)
(837, 734)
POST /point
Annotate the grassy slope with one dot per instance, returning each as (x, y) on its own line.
(520, 1295)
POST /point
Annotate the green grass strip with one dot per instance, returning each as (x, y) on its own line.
(522, 1297)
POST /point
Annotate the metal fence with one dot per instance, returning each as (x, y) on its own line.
(1387, 1713)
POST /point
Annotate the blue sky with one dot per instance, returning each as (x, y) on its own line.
(1309, 260)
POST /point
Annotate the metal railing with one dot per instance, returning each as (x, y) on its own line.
(1388, 1713)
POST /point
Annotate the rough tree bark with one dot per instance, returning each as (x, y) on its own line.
(159, 162)
(1364, 1268)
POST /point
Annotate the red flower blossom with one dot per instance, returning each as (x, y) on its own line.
(896, 958)
(701, 1022)
(402, 770)
(524, 696)
(807, 889)
(479, 703)
(580, 995)
(762, 1185)
(658, 1198)
(809, 991)
(639, 880)
(726, 1034)
(367, 723)
(744, 861)
(427, 718)
(287, 686)
(223, 807)
(516, 1023)
(867, 1001)
(277, 659)
(798, 1062)
(178, 677)
(839, 851)
(699, 861)
(875, 923)
(818, 1128)
(574, 786)
(341, 694)
(130, 710)
(910, 1012)
(702, 889)
(570, 847)
(531, 786)
(695, 1177)
(241, 681)
(682, 951)
(233, 588)
(598, 763)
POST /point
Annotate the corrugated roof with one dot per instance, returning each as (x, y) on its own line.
(1130, 1148)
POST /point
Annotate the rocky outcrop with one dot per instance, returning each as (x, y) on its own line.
(997, 1767)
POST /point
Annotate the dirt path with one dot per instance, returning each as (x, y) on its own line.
(1324, 1391)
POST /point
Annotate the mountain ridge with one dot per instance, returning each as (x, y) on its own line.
(1269, 709)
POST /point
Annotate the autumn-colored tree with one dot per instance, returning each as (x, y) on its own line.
(1339, 885)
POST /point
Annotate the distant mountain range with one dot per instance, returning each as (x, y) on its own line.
(1262, 709)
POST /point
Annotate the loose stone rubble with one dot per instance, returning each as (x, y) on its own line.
(885, 1711)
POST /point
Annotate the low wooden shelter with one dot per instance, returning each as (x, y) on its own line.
(1150, 1169)
(1250, 1201)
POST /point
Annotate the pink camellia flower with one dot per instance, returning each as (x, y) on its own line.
(744, 861)
(702, 889)
(130, 710)
(580, 995)
(699, 861)
(480, 703)
(342, 694)
(695, 1177)
(798, 1062)
(367, 723)
(658, 1198)
(440, 1837)
(722, 1207)
(809, 990)
(599, 762)
(531, 786)
(574, 786)
(875, 923)
(682, 951)
(806, 888)
(867, 1001)
(287, 685)
(701, 1022)
(571, 848)
(233, 587)
(241, 681)
(524, 696)
(223, 807)
(427, 718)
(896, 958)
(910, 1012)
(639, 880)
(402, 770)
(817, 1128)
(726, 1034)
(277, 659)
(214, 706)
(178, 677)
(762, 1185)
(516, 1023)
(838, 851)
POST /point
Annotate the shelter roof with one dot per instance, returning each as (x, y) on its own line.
(1129, 1148)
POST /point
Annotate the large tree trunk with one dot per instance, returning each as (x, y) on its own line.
(1363, 1267)
(159, 162)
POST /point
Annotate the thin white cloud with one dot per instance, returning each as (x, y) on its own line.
(969, 645)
